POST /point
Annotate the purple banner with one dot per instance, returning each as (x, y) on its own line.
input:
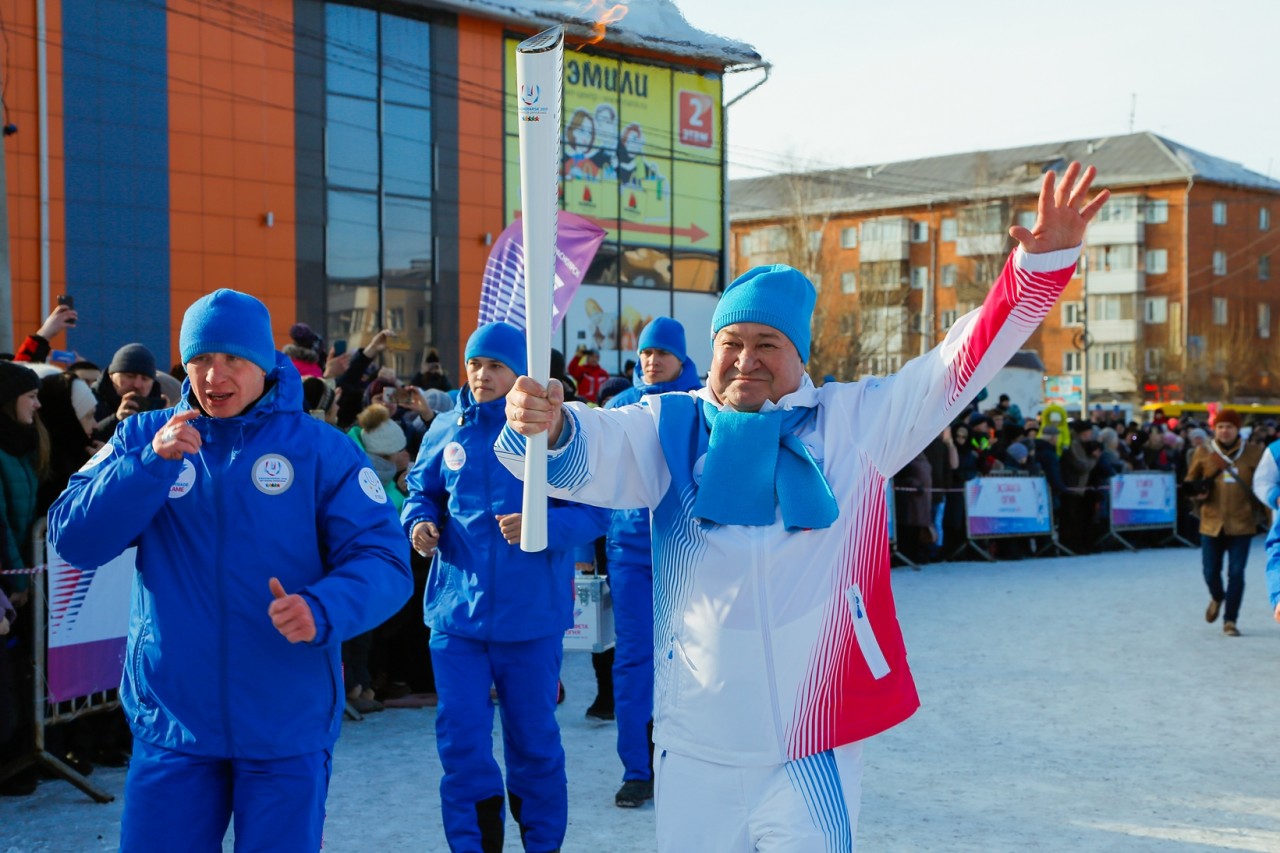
(88, 623)
(502, 287)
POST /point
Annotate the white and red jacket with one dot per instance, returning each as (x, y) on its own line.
(772, 645)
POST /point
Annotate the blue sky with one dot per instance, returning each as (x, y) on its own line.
(858, 82)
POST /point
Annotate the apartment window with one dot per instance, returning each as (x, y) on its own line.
(1071, 362)
(1157, 261)
(918, 323)
(1157, 211)
(1219, 262)
(1073, 313)
(1264, 320)
(849, 237)
(815, 241)
(1112, 258)
(919, 232)
(947, 319)
(1264, 219)
(1112, 307)
(1264, 268)
(948, 275)
(919, 278)
(1114, 357)
(1153, 360)
(948, 231)
(849, 282)
(1157, 309)
(1027, 219)
(1125, 208)
(1219, 311)
(1219, 213)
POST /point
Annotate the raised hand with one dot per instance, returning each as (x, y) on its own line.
(291, 614)
(177, 437)
(1062, 214)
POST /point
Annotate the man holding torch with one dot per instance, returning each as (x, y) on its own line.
(777, 647)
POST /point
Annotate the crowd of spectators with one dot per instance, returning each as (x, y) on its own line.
(55, 413)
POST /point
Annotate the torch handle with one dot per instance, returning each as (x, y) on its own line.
(533, 521)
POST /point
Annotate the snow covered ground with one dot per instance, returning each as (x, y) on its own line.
(1077, 704)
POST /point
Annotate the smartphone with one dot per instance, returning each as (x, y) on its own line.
(146, 404)
(69, 301)
(340, 346)
(404, 396)
(388, 395)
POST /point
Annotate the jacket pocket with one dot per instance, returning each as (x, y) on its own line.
(865, 635)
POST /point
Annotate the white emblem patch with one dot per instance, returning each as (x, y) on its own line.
(272, 474)
(98, 458)
(455, 456)
(371, 485)
(186, 479)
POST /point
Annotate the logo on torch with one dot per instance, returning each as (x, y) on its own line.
(530, 94)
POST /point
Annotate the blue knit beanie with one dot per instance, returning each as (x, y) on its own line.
(665, 334)
(777, 296)
(230, 322)
(500, 341)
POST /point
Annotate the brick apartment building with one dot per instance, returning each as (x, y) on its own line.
(1174, 300)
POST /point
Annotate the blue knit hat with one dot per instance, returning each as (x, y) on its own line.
(230, 322)
(500, 341)
(665, 334)
(776, 296)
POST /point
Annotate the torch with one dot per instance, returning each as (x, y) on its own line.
(539, 64)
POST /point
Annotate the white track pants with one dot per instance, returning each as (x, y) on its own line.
(804, 806)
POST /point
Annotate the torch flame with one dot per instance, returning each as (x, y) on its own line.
(602, 15)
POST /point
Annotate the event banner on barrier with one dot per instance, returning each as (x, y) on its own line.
(1147, 499)
(1008, 506)
(88, 624)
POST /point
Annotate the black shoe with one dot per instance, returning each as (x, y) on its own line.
(600, 711)
(633, 793)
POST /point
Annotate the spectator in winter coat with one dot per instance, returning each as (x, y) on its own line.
(497, 614)
(664, 366)
(588, 374)
(263, 541)
(128, 387)
(1227, 518)
(778, 647)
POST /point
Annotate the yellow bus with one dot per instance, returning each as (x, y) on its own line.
(1200, 411)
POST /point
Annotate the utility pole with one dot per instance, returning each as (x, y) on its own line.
(6, 271)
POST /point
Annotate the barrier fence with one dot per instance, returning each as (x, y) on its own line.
(78, 653)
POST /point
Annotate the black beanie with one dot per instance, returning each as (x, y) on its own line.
(16, 380)
(133, 358)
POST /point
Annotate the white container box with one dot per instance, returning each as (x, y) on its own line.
(592, 629)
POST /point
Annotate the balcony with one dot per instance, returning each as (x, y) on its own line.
(1116, 233)
(884, 250)
(981, 244)
(1114, 331)
(1116, 281)
(1113, 381)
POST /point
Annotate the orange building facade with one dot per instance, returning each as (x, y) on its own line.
(1175, 298)
(348, 164)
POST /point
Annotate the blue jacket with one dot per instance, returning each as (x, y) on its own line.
(272, 493)
(628, 540)
(480, 587)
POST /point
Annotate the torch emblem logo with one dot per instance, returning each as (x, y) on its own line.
(530, 94)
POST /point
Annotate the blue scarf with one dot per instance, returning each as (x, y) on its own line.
(754, 464)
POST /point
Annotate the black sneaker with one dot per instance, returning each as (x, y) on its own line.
(600, 711)
(633, 793)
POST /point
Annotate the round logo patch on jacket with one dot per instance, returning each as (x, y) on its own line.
(272, 474)
(98, 458)
(371, 485)
(455, 456)
(186, 479)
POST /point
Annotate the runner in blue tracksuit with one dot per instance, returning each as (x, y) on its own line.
(264, 540)
(663, 367)
(497, 614)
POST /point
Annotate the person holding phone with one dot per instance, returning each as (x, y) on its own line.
(128, 387)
